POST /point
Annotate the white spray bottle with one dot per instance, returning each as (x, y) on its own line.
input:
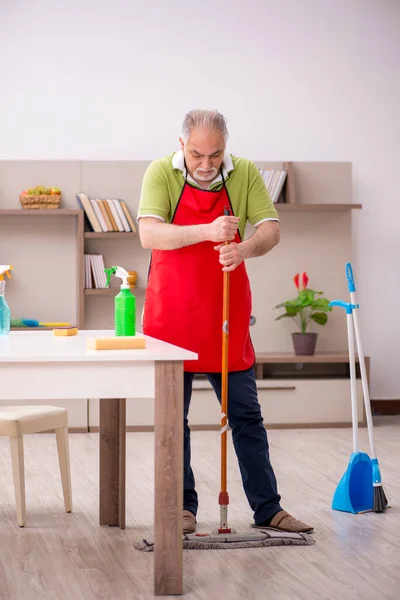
(5, 314)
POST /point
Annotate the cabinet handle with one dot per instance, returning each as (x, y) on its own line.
(274, 388)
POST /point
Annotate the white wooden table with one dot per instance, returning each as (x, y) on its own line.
(36, 365)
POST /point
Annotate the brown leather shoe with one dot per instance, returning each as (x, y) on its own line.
(189, 522)
(285, 522)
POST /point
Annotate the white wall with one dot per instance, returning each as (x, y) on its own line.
(309, 80)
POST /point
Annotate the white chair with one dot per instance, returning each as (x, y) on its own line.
(15, 421)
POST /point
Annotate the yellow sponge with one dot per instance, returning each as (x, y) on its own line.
(116, 343)
(68, 330)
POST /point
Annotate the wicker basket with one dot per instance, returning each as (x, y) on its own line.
(42, 201)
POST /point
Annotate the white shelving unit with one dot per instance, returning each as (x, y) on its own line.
(47, 249)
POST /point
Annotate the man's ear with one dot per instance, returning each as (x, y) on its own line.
(182, 143)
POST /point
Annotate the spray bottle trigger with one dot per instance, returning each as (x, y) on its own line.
(109, 272)
(5, 270)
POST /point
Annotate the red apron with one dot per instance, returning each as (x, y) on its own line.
(184, 295)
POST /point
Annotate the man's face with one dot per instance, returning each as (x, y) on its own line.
(204, 152)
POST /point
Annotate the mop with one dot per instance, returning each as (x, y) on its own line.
(225, 537)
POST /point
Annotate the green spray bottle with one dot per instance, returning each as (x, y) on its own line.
(125, 304)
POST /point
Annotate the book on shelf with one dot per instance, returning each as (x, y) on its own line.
(114, 212)
(106, 218)
(99, 215)
(106, 215)
(91, 221)
(128, 215)
(95, 276)
(274, 180)
(114, 226)
(121, 215)
(88, 272)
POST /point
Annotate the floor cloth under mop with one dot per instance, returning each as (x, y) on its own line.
(272, 538)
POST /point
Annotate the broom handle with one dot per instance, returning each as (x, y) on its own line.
(361, 357)
(224, 376)
(364, 381)
(353, 388)
(224, 383)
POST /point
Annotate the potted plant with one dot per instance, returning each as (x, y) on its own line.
(306, 308)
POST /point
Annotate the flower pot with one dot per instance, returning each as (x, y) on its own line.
(304, 343)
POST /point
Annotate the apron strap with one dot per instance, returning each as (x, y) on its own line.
(223, 185)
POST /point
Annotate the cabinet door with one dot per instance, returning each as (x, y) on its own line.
(287, 402)
(308, 401)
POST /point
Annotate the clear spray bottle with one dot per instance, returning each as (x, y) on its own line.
(5, 314)
(125, 303)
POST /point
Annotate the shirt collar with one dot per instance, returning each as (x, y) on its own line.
(178, 162)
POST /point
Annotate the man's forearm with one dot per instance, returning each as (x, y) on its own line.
(262, 241)
(163, 236)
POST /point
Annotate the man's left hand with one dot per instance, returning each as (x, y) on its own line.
(230, 255)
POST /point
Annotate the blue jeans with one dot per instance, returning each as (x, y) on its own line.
(249, 439)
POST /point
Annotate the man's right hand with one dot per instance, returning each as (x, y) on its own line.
(223, 229)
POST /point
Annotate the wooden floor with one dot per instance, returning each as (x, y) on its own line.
(62, 556)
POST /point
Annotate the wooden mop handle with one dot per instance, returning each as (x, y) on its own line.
(224, 382)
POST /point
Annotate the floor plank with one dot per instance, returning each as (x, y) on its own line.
(61, 556)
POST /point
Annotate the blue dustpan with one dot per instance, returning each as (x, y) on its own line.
(355, 491)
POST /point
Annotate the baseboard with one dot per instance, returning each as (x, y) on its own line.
(78, 429)
(129, 428)
(70, 430)
(145, 428)
(150, 428)
(385, 407)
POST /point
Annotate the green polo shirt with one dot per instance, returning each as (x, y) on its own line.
(162, 186)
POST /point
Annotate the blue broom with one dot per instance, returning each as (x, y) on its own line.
(355, 492)
(380, 500)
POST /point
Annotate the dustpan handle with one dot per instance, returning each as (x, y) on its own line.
(352, 364)
(361, 358)
(364, 382)
(353, 388)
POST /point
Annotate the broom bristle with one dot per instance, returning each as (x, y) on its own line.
(380, 500)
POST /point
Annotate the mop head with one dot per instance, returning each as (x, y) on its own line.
(271, 538)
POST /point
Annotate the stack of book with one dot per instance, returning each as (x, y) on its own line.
(274, 180)
(95, 276)
(107, 215)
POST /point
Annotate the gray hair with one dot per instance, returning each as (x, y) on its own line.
(210, 119)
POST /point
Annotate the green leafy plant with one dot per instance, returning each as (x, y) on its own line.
(306, 307)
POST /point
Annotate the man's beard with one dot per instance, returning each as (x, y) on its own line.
(201, 175)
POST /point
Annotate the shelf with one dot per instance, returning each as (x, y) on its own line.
(110, 235)
(40, 212)
(282, 207)
(64, 212)
(101, 292)
(108, 291)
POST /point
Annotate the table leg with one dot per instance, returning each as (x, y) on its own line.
(112, 461)
(168, 433)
